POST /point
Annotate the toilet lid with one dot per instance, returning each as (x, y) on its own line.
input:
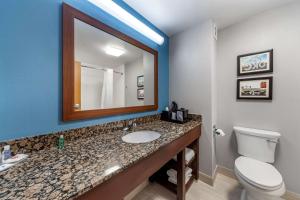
(258, 173)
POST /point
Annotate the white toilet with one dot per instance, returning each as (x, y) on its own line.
(261, 180)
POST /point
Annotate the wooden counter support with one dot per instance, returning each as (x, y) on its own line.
(195, 164)
(181, 175)
(121, 184)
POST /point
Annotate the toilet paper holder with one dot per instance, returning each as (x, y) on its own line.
(217, 131)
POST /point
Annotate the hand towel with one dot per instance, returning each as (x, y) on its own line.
(189, 155)
(172, 173)
(174, 181)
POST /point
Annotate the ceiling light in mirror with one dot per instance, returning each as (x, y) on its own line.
(113, 51)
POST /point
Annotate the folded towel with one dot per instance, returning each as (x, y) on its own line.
(15, 159)
(172, 173)
(189, 155)
(174, 181)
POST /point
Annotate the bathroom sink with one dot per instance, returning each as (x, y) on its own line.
(141, 137)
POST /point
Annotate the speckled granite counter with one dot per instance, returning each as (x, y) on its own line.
(83, 164)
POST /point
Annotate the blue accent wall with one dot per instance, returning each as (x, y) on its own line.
(31, 65)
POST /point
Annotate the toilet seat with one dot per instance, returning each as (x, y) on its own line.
(259, 174)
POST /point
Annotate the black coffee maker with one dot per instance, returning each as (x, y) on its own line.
(175, 114)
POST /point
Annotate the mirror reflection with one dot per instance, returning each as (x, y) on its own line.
(109, 72)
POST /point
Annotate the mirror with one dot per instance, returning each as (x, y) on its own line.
(105, 71)
(112, 73)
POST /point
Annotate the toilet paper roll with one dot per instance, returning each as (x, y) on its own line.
(220, 132)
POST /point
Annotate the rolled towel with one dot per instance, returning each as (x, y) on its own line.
(172, 173)
(189, 155)
(174, 181)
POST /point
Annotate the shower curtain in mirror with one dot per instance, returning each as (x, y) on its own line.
(107, 89)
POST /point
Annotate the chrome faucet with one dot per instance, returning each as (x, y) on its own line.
(131, 125)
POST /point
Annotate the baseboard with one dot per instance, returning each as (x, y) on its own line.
(137, 190)
(206, 179)
(226, 172)
(291, 196)
(218, 170)
(215, 174)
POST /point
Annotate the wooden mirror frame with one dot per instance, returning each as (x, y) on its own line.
(69, 113)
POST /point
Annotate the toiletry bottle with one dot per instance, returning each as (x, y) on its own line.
(1, 157)
(6, 153)
(61, 142)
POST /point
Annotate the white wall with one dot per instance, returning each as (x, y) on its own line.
(191, 66)
(148, 63)
(278, 29)
(142, 66)
(214, 97)
(132, 71)
(119, 87)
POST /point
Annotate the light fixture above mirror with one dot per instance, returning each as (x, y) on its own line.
(118, 12)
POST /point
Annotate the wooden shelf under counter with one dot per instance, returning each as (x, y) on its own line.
(162, 179)
(161, 176)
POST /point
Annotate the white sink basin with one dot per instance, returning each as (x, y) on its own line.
(141, 137)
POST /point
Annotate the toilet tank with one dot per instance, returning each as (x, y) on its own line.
(257, 144)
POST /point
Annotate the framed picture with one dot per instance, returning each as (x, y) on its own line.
(140, 94)
(140, 81)
(255, 88)
(255, 63)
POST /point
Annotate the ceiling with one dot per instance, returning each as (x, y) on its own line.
(90, 44)
(173, 16)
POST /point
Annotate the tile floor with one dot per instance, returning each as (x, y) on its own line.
(225, 188)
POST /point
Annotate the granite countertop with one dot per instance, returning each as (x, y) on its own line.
(83, 164)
